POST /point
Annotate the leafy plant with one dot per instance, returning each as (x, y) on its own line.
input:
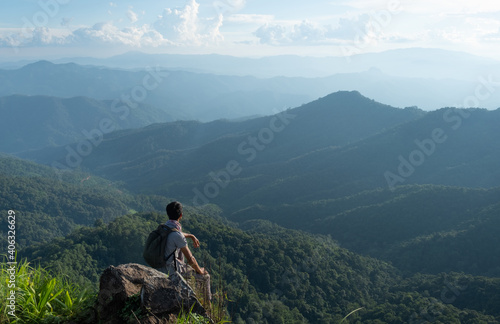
(40, 296)
(132, 309)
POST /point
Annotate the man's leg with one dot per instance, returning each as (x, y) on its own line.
(202, 284)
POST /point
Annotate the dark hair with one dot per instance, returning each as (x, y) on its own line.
(174, 210)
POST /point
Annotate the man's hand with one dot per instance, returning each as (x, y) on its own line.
(202, 271)
(196, 243)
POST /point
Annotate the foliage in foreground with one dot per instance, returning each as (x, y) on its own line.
(40, 296)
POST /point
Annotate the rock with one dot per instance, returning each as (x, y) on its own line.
(170, 296)
(132, 285)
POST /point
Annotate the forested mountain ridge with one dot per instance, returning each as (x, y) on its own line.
(35, 122)
(270, 273)
(183, 95)
(49, 206)
(418, 228)
(187, 150)
(332, 147)
(462, 153)
(273, 274)
(206, 97)
(324, 168)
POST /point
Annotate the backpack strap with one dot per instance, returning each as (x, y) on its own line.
(175, 259)
(165, 230)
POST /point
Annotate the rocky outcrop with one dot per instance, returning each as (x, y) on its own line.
(139, 294)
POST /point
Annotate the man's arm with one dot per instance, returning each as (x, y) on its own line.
(192, 261)
(196, 243)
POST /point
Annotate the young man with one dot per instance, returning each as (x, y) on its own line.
(177, 242)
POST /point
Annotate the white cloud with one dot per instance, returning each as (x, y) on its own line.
(273, 34)
(108, 34)
(349, 28)
(304, 32)
(101, 34)
(32, 37)
(187, 27)
(310, 33)
(181, 27)
(223, 7)
(132, 16)
(457, 24)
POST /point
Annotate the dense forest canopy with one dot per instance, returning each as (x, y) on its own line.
(297, 219)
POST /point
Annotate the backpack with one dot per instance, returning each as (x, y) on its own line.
(154, 249)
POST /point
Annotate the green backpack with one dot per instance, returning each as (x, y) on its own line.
(154, 250)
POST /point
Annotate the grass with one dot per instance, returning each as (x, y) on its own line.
(44, 297)
(40, 296)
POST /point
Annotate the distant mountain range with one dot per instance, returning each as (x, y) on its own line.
(201, 96)
(336, 145)
(427, 63)
(179, 147)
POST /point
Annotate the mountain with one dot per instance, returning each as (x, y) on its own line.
(340, 206)
(428, 63)
(49, 205)
(358, 165)
(418, 228)
(270, 274)
(334, 146)
(34, 122)
(162, 154)
(206, 97)
(442, 147)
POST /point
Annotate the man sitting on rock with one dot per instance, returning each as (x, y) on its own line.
(177, 241)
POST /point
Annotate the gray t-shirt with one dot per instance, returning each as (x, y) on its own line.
(175, 241)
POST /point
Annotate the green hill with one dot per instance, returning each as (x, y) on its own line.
(429, 229)
(48, 206)
(34, 122)
(273, 275)
(336, 146)
(156, 157)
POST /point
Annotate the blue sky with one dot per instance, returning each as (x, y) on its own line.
(54, 28)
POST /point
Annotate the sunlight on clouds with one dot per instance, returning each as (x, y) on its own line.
(108, 34)
(40, 36)
(186, 26)
(181, 26)
(222, 25)
(308, 32)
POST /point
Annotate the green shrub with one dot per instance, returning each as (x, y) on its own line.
(40, 296)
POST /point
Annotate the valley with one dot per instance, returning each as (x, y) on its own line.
(333, 204)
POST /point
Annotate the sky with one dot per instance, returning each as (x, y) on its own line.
(252, 28)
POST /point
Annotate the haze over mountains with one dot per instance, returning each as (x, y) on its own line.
(411, 62)
(53, 121)
(317, 197)
(428, 79)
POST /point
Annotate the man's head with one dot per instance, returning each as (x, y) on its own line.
(174, 210)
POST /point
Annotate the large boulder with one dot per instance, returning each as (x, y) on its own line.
(139, 293)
